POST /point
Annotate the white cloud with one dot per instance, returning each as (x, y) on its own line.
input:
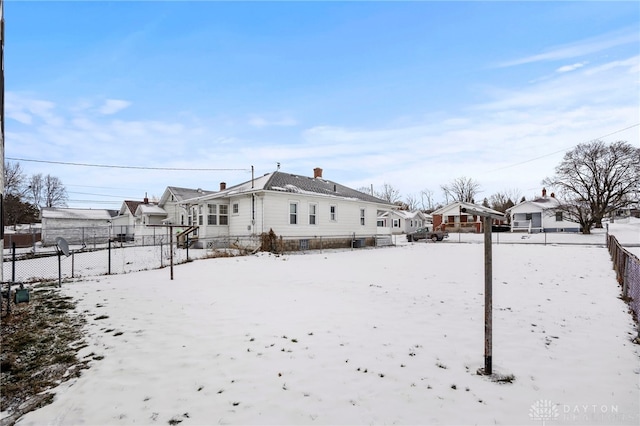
(259, 121)
(580, 48)
(112, 106)
(568, 68)
(27, 110)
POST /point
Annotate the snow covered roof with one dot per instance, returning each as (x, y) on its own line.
(65, 213)
(181, 194)
(454, 208)
(404, 214)
(150, 209)
(286, 182)
(537, 204)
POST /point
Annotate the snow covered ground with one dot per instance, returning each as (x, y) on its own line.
(370, 336)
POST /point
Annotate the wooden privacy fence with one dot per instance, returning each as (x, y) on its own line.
(627, 267)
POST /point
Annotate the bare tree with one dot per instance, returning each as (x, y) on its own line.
(366, 190)
(427, 197)
(412, 202)
(503, 200)
(35, 189)
(388, 193)
(461, 189)
(595, 179)
(14, 178)
(54, 192)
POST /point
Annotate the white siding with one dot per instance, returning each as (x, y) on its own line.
(275, 212)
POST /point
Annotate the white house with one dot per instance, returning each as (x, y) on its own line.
(77, 226)
(402, 221)
(304, 211)
(450, 218)
(123, 225)
(540, 215)
(170, 201)
(149, 219)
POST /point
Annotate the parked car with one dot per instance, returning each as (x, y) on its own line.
(427, 233)
(501, 228)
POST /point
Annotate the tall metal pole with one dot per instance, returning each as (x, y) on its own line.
(2, 129)
(488, 295)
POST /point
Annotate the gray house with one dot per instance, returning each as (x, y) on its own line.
(542, 214)
(77, 226)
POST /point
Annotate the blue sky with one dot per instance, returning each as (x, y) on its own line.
(411, 94)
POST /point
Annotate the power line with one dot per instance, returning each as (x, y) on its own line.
(110, 166)
(562, 150)
(120, 197)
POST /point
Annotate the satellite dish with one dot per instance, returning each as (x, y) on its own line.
(63, 246)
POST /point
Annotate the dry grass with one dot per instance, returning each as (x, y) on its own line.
(40, 342)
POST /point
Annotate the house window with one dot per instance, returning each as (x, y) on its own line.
(200, 221)
(396, 223)
(223, 214)
(333, 213)
(213, 215)
(181, 219)
(558, 216)
(312, 213)
(293, 213)
(380, 223)
(235, 209)
(362, 216)
(528, 216)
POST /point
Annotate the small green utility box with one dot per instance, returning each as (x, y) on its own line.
(22, 295)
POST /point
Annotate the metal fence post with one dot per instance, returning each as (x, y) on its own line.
(13, 264)
(109, 256)
(625, 279)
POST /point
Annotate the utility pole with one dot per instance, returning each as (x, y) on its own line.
(488, 286)
(2, 129)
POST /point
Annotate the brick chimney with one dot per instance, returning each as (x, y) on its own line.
(317, 172)
(223, 186)
(145, 199)
(544, 192)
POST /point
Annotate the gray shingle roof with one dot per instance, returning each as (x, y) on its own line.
(280, 181)
(187, 193)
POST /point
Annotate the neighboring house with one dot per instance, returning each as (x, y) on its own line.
(77, 226)
(401, 221)
(307, 212)
(125, 221)
(450, 218)
(540, 215)
(626, 212)
(170, 201)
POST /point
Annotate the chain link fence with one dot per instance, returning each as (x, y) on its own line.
(91, 254)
